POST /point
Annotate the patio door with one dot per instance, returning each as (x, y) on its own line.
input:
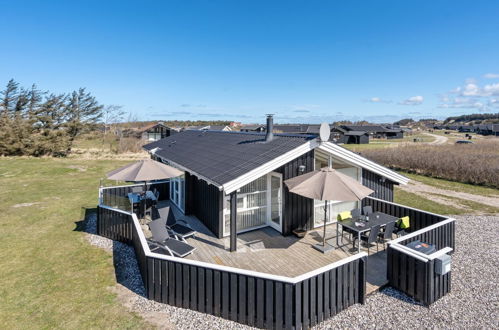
(177, 191)
(275, 201)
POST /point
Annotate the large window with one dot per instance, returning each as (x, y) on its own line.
(334, 207)
(258, 204)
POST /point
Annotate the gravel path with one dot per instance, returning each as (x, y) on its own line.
(472, 303)
(439, 139)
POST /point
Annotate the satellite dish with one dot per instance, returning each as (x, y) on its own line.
(324, 132)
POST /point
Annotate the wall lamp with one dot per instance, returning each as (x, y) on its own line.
(301, 168)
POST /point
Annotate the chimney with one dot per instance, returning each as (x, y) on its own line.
(270, 128)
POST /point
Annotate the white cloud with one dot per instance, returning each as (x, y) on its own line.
(377, 100)
(413, 100)
(491, 75)
(491, 90)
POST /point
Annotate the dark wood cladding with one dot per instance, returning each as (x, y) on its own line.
(205, 201)
(419, 219)
(251, 300)
(255, 301)
(442, 236)
(383, 188)
(297, 211)
(416, 278)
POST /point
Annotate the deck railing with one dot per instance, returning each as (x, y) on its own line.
(117, 196)
(413, 272)
(253, 298)
(419, 218)
(408, 270)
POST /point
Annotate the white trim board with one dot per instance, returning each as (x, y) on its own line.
(277, 162)
(355, 159)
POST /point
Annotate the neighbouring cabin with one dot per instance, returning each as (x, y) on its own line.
(245, 167)
(155, 132)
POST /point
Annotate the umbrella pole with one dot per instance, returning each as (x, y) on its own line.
(325, 221)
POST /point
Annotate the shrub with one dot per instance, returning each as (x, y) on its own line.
(468, 163)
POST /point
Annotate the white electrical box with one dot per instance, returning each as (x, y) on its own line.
(442, 264)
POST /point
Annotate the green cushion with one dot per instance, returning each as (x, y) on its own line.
(344, 215)
(404, 223)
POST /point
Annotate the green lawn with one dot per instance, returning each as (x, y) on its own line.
(452, 185)
(416, 201)
(50, 276)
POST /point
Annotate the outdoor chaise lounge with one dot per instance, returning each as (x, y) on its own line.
(162, 240)
(167, 218)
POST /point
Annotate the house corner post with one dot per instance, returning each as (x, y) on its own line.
(233, 221)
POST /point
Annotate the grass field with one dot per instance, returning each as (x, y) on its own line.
(419, 202)
(50, 276)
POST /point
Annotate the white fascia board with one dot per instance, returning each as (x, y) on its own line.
(185, 169)
(355, 159)
(277, 162)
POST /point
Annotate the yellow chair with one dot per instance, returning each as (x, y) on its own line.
(402, 224)
(344, 215)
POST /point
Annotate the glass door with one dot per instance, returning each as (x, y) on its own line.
(177, 190)
(275, 201)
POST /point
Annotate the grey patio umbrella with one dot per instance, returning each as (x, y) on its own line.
(143, 171)
(327, 184)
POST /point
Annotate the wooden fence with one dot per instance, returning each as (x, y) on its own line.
(414, 273)
(419, 219)
(117, 196)
(248, 297)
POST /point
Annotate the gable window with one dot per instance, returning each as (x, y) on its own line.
(323, 159)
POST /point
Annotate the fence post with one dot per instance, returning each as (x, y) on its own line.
(362, 279)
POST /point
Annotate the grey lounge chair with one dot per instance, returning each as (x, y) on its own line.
(162, 240)
(181, 230)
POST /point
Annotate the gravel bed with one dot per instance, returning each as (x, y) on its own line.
(472, 303)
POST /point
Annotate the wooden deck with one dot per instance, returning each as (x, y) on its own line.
(266, 250)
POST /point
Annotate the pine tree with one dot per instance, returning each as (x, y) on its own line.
(82, 112)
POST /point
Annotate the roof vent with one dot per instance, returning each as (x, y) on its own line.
(270, 128)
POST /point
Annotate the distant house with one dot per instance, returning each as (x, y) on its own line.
(253, 128)
(155, 132)
(490, 129)
(466, 129)
(354, 137)
(341, 135)
(224, 128)
(376, 131)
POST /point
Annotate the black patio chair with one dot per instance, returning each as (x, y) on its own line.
(180, 230)
(387, 233)
(161, 240)
(367, 210)
(355, 213)
(137, 189)
(368, 239)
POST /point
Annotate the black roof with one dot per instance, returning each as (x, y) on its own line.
(356, 133)
(224, 156)
(365, 128)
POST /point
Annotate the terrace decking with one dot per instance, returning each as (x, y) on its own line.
(266, 250)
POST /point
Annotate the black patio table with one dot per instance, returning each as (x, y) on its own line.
(139, 199)
(359, 225)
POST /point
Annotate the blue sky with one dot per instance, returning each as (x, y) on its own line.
(305, 61)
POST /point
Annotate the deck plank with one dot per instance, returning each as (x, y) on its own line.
(266, 250)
